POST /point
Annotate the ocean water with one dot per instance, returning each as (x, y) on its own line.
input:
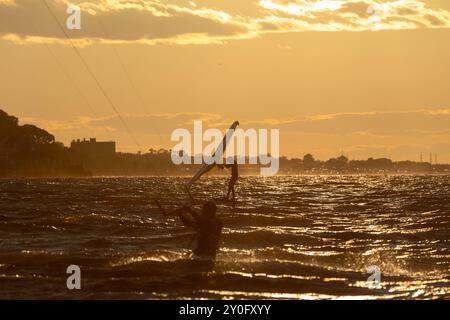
(288, 237)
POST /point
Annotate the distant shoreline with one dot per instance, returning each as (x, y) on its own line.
(27, 151)
(226, 176)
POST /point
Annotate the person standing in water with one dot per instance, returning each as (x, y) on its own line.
(207, 226)
(233, 179)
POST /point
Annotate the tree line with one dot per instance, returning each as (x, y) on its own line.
(26, 150)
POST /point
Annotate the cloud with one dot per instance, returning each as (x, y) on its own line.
(395, 123)
(156, 124)
(117, 21)
(351, 15)
(409, 123)
(152, 22)
(7, 2)
(400, 135)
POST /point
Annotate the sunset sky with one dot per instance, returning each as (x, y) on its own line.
(362, 77)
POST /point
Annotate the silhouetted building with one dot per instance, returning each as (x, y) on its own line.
(92, 148)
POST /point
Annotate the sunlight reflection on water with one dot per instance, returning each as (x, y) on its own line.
(289, 237)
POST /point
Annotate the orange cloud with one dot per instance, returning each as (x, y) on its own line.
(155, 22)
(401, 135)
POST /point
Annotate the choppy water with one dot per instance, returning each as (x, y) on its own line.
(288, 237)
